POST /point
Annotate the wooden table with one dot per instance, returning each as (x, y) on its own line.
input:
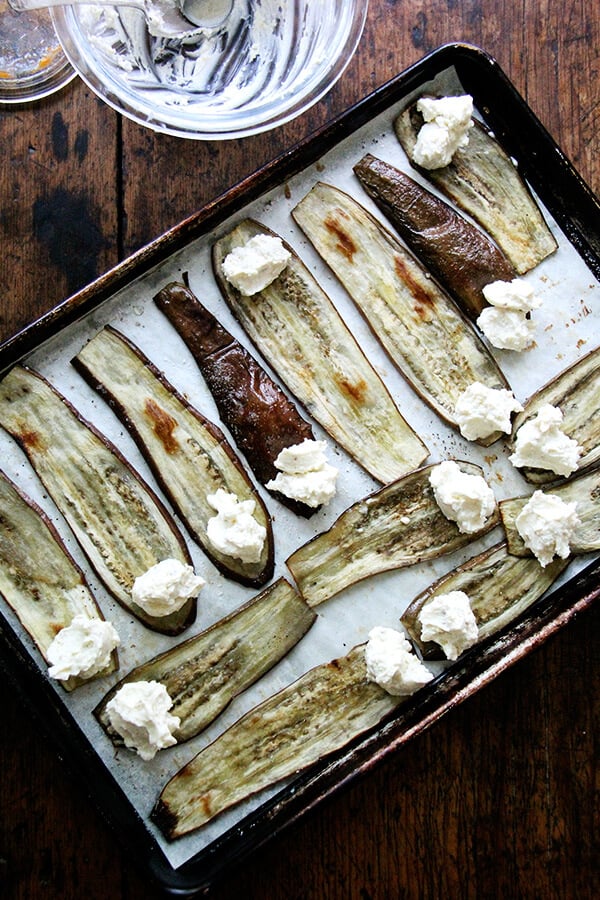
(499, 799)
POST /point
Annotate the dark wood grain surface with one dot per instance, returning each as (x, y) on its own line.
(500, 798)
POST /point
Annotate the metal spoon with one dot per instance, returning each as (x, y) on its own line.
(181, 19)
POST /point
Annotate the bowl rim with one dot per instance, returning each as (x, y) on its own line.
(116, 94)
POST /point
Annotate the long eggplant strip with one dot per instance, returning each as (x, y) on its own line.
(39, 579)
(203, 674)
(190, 457)
(397, 526)
(583, 490)
(261, 418)
(119, 522)
(500, 587)
(428, 338)
(576, 391)
(322, 711)
(457, 253)
(483, 181)
(302, 336)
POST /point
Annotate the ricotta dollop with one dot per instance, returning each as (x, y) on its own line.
(139, 713)
(446, 129)
(541, 444)
(392, 663)
(463, 498)
(165, 587)
(506, 322)
(448, 620)
(82, 649)
(547, 525)
(481, 411)
(304, 473)
(253, 266)
(234, 531)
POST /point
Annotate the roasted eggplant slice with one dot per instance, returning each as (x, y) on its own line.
(576, 392)
(397, 526)
(456, 252)
(432, 343)
(583, 490)
(300, 333)
(499, 586)
(484, 181)
(39, 579)
(322, 711)
(190, 457)
(120, 523)
(203, 674)
(261, 418)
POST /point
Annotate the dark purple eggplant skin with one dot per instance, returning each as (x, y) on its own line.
(261, 418)
(457, 253)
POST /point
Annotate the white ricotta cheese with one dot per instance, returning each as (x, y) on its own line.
(139, 713)
(253, 266)
(463, 498)
(517, 294)
(446, 129)
(480, 411)
(166, 587)
(541, 444)
(547, 525)
(448, 620)
(234, 531)
(506, 322)
(392, 663)
(82, 648)
(304, 473)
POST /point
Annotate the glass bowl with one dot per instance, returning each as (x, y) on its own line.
(271, 61)
(32, 63)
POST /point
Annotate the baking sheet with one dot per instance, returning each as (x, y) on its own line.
(568, 325)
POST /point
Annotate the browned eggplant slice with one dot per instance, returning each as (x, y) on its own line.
(261, 418)
(499, 586)
(456, 252)
(432, 343)
(584, 491)
(120, 523)
(204, 673)
(39, 579)
(484, 181)
(397, 526)
(322, 711)
(576, 392)
(302, 336)
(190, 457)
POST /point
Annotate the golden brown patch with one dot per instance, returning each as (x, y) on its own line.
(30, 439)
(345, 244)
(206, 805)
(163, 425)
(423, 302)
(355, 390)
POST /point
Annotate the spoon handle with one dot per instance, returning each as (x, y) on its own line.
(25, 5)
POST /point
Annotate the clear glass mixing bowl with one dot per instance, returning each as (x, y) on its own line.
(272, 61)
